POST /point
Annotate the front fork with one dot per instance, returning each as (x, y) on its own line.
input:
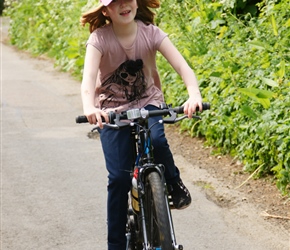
(143, 221)
(174, 243)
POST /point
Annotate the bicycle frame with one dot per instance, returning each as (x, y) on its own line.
(142, 146)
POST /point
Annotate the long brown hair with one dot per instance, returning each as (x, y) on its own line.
(96, 19)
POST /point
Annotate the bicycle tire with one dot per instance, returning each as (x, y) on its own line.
(157, 219)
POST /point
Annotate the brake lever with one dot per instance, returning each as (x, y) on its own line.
(118, 124)
(94, 129)
(181, 118)
(196, 117)
(114, 126)
(174, 119)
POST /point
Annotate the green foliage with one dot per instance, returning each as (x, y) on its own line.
(243, 71)
(238, 50)
(51, 28)
(1, 6)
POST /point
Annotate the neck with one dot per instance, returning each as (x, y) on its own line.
(126, 29)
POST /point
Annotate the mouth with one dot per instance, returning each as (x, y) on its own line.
(126, 12)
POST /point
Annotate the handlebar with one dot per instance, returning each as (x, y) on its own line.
(132, 114)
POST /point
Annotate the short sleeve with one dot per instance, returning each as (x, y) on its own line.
(158, 35)
(97, 40)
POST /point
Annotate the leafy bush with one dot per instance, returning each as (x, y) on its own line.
(239, 52)
(1, 6)
(242, 69)
(52, 28)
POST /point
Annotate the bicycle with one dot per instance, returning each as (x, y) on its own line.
(149, 224)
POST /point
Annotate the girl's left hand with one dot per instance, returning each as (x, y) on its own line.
(191, 104)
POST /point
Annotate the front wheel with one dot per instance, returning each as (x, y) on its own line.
(156, 214)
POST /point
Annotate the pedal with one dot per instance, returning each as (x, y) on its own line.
(170, 202)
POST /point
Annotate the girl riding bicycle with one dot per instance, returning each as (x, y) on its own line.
(120, 73)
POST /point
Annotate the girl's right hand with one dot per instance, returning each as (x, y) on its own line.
(95, 116)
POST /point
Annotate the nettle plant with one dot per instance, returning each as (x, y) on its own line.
(241, 60)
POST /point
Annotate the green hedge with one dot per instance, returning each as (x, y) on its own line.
(243, 69)
(52, 28)
(239, 51)
(1, 6)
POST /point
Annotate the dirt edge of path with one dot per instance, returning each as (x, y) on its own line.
(262, 193)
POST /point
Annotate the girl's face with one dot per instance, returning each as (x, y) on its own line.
(121, 11)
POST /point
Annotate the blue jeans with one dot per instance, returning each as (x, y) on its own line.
(119, 159)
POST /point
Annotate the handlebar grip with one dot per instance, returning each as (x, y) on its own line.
(84, 119)
(205, 106)
(81, 119)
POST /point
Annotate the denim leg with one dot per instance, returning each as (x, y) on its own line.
(162, 152)
(117, 149)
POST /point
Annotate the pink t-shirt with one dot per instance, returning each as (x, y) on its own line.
(128, 77)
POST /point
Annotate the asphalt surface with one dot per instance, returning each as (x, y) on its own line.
(53, 177)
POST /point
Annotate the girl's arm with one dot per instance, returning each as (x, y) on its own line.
(91, 66)
(173, 56)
